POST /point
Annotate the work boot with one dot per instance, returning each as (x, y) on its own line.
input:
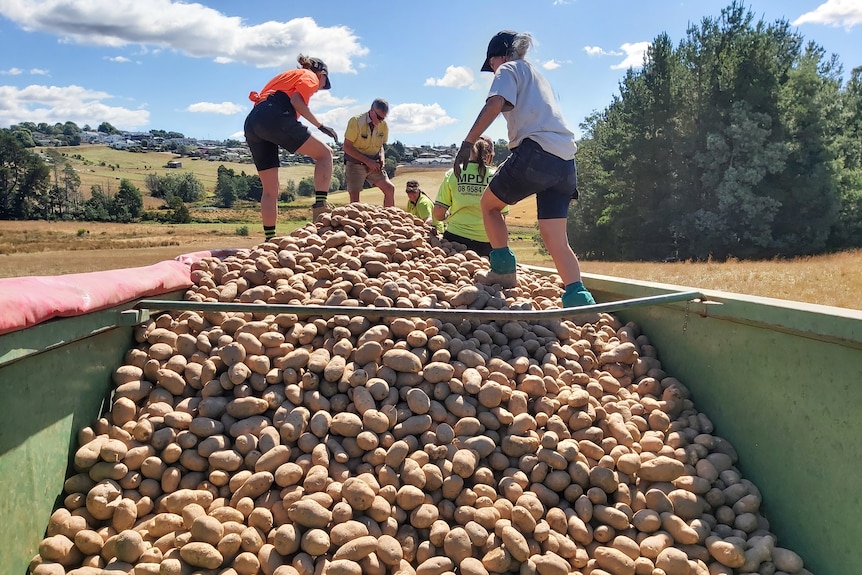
(503, 269)
(491, 277)
(318, 208)
(576, 295)
(502, 260)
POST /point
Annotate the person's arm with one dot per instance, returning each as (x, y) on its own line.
(494, 105)
(351, 151)
(444, 198)
(384, 127)
(302, 108)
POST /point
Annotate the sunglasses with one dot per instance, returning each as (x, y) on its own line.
(379, 117)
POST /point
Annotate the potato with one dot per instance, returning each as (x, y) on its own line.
(358, 494)
(309, 513)
(199, 554)
(356, 549)
(343, 567)
(59, 549)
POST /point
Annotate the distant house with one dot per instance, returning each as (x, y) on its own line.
(432, 159)
(174, 164)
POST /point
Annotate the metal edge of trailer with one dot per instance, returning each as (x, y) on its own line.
(55, 379)
(782, 381)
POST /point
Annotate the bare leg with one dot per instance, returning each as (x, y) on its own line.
(388, 189)
(492, 217)
(556, 240)
(322, 156)
(268, 205)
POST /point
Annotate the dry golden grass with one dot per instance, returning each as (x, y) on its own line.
(834, 279)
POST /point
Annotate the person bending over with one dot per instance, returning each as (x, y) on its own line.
(274, 121)
(364, 156)
(458, 199)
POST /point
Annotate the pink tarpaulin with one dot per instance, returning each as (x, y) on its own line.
(28, 301)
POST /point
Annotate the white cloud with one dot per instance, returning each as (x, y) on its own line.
(118, 59)
(837, 13)
(551, 65)
(594, 51)
(52, 104)
(19, 72)
(402, 118)
(190, 28)
(414, 118)
(225, 108)
(455, 77)
(325, 99)
(634, 56)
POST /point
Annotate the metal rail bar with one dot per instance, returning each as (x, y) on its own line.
(439, 313)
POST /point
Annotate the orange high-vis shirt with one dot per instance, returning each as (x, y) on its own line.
(300, 80)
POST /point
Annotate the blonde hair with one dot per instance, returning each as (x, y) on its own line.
(304, 61)
(520, 44)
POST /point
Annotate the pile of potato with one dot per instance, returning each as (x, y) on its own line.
(262, 443)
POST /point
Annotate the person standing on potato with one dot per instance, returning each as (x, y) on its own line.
(542, 163)
(364, 157)
(458, 199)
(274, 122)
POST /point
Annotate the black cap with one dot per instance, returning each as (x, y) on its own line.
(499, 45)
(319, 65)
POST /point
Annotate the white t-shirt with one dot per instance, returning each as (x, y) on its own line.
(536, 113)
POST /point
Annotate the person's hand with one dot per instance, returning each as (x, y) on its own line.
(463, 157)
(329, 132)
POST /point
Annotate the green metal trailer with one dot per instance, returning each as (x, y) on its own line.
(782, 381)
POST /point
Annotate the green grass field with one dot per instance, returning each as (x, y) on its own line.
(107, 167)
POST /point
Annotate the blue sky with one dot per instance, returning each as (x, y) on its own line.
(188, 67)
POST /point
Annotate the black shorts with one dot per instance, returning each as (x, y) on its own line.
(270, 124)
(481, 248)
(531, 170)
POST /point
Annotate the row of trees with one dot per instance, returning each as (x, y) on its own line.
(740, 141)
(68, 133)
(33, 188)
